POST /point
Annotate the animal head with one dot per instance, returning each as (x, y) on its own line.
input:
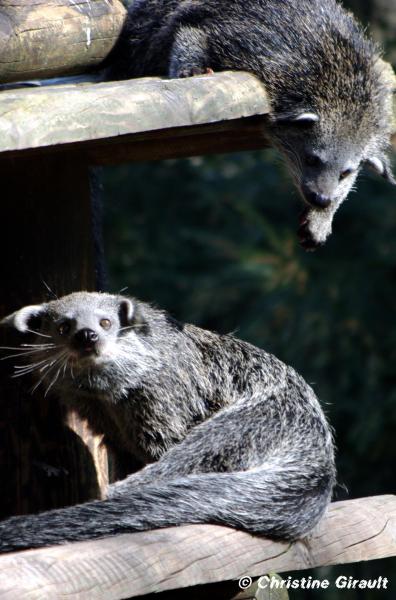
(332, 97)
(83, 337)
(325, 159)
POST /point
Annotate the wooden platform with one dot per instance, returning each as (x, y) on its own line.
(130, 565)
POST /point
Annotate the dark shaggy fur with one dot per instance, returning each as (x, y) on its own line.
(228, 433)
(331, 94)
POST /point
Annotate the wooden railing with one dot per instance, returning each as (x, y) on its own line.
(131, 565)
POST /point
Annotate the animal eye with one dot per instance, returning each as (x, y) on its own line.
(313, 161)
(64, 328)
(105, 323)
(345, 174)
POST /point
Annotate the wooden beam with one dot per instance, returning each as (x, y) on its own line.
(90, 116)
(44, 38)
(235, 135)
(130, 565)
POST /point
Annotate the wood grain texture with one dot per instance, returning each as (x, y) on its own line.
(130, 565)
(57, 116)
(44, 38)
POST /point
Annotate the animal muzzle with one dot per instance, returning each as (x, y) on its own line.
(315, 199)
(85, 340)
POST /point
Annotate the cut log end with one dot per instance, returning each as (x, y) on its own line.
(46, 39)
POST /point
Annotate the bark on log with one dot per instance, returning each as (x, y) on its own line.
(44, 38)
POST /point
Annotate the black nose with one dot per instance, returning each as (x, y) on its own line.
(86, 338)
(317, 200)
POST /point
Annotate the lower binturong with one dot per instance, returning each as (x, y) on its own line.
(228, 434)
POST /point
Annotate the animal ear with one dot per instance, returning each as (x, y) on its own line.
(305, 117)
(381, 166)
(126, 312)
(22, 319)
(130, 314)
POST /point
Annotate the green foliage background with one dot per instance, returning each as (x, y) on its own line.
(213, 240)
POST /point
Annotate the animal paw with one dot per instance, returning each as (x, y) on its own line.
(192, 71)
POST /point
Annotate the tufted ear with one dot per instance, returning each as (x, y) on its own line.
(21, 319)
(381, 166)
(126, 312)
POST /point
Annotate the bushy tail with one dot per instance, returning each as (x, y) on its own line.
(276, 500)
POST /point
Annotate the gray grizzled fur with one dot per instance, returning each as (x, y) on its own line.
(331, 96)
(225, 432)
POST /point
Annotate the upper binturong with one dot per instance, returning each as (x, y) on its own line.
(332, 110)
(330, 92)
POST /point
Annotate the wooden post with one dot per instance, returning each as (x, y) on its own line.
(46, 38)
(47, 240)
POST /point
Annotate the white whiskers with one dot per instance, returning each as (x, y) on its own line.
(39, 333)
(42, 359)
(47, 368)
(63, 355)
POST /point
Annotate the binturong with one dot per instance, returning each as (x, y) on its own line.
(225, 433)
(330, 92)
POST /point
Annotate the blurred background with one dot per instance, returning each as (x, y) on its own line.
(213, 240)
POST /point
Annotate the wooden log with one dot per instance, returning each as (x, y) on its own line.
(44, 38)
(90, 116)
(46, 240)
(131, 565)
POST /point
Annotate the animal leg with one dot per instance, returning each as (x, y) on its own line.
(189, 55)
